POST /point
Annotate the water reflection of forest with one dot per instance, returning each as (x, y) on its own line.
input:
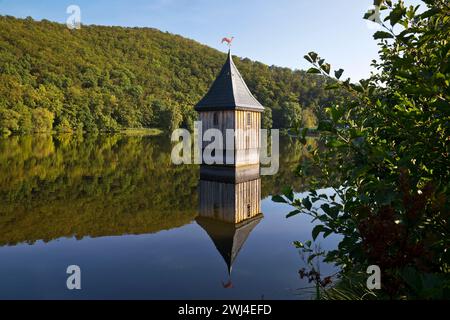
(77, 186)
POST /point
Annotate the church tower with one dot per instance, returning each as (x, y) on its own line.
(229, 104)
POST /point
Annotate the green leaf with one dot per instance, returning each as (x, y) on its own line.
(338, 73)
(336, 144)
(357, 87)
(298, 244)
(311, 257)
(313, 56)
(378, 2)
(316, 231)
(396, 15)
(327, 233)
(278, 199)
(429, 13)
(332, 86)
(333, 212)
(313, 70)
(325, 125)
(293, 213)
(308, 58)
(326, 68)
(288, 193)
(307, 203)
(369, 15)
(382, 35)
(336, 113)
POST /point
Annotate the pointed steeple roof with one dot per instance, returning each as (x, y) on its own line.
(229, 238)
(229, 92)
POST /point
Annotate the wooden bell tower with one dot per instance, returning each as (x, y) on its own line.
(229, 104)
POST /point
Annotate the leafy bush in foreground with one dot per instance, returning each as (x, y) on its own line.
(388, 159)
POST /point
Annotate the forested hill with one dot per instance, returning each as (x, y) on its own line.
(108, 78)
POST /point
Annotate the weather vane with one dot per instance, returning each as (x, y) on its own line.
(228, 41)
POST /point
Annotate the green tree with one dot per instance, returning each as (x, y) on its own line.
(292, 115)
(42, 120)
(9, 121)
(388, 159)
(267, 121)
(49, 97)
(169, 117)
(148, 113)
(25, 120)
(176, 118)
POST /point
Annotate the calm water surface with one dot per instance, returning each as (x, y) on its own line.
(118, 208)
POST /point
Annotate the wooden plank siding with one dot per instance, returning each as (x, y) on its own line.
(248, 200)
(229, 202)
(247, 133)
(226, 121)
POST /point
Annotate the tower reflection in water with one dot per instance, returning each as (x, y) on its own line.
(230, 196)
(230, 208)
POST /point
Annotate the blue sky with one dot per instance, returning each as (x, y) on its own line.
(278, 32)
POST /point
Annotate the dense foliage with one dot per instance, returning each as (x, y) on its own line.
(107, 78)
(388, 161)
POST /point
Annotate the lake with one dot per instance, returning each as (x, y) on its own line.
(116, 206)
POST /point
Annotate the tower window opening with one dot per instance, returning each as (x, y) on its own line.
(249, 119)
(216, 119)
(249, 213)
